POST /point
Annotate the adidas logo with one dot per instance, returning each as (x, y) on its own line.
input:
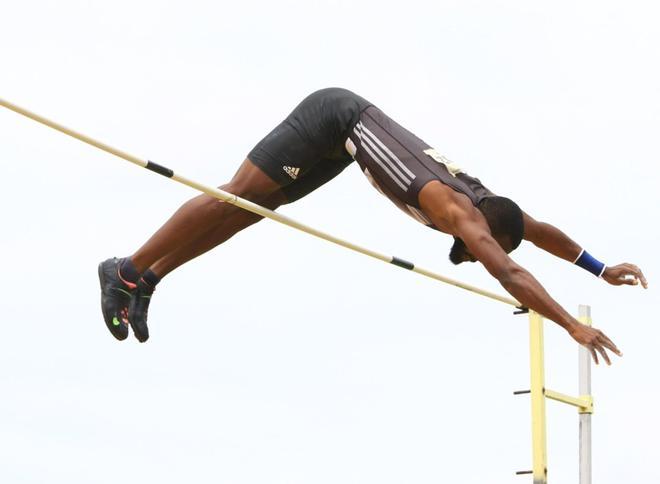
(292, 171)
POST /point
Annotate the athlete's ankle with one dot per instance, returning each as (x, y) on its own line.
(150, 278)
(128, 272)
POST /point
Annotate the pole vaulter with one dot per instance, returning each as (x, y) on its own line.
(420, 181)
(362, 142)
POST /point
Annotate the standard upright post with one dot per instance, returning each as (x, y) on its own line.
(584, 364)
(537, 375)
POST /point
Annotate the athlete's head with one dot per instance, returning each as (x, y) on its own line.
(505, 220)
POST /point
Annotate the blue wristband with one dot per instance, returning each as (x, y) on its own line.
(589, 263)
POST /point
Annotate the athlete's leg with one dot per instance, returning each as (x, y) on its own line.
(236, 220)
(204, 215)
(232, 223)
(198, 226)
(204, 222)
(320, 174)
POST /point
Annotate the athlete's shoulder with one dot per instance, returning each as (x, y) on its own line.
(444, 205)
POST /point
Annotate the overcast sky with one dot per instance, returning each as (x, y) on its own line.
(282, 359)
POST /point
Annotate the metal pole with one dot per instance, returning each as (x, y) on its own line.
(537, 390)
(253, 207)
(584, 367)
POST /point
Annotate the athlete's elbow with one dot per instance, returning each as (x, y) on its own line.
(510, 275)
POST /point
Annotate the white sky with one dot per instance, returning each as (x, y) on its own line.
(282, 359)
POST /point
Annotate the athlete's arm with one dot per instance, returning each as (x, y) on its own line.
(450, 213)
(525, 288)
(552, 240)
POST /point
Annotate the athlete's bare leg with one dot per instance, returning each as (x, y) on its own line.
(232, 223)
(198, 226)
(204, 222)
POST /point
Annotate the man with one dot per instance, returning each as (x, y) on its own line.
(325, 133)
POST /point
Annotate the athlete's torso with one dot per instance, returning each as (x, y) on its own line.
(399, 164)
(342, 125)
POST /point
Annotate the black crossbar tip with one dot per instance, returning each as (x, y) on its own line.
(402, 263)
(520, 473)
(521, 310)
(160, 169)
(521, 392)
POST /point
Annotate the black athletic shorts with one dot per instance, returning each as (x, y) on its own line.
(294, 163)
(307, 149)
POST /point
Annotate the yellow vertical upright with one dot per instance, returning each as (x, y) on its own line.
(537, 375)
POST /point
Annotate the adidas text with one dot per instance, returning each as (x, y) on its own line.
(292, 171)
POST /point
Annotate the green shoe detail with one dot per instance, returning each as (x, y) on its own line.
(115, 321)
(121, 290)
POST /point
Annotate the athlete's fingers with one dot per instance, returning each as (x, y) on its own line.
(632, 270)
(628, 281)
(637, 273)
(609, 344)
(640, 275)
(593, 353)
(603, 353)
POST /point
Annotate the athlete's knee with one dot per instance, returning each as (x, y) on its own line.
(248, 191)
(252, 183)
(215, 209)
(275, 199)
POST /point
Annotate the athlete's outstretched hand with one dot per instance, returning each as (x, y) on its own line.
(628, 274)
(594, 340)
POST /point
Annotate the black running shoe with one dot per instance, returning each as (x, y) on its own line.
(115, 298)
(138, 309)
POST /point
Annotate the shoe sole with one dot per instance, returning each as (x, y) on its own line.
(120, 337)
(139, 335)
